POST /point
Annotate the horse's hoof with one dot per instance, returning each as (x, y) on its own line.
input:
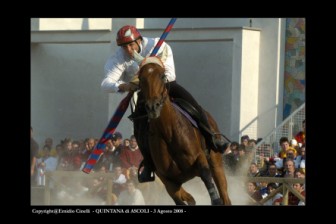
(217, 201)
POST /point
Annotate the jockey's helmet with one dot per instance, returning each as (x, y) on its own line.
(127, 34)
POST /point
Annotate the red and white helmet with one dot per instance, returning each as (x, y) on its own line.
(127, 34)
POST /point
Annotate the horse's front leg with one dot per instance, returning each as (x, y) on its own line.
(174, 191)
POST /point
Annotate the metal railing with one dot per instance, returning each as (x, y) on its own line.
(269, 146)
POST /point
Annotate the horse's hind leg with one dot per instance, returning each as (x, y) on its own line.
(219, 176)
(217, 168)
(187, 197)
(206, 177)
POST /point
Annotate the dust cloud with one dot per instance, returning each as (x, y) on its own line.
(154, 193)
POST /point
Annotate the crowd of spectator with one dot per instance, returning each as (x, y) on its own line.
(288, 163)
(122, 158)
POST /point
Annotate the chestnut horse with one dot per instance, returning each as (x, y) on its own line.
(176, 145)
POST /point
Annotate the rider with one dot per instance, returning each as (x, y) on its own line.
(119, 71)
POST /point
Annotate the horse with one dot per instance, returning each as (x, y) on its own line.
(176, 145)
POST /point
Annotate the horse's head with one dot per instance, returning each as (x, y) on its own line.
(152, 85)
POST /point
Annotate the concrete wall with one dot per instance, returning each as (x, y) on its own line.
(160, 23)
(271, 72)
(66, 100)
(207, 78)
(236, 73)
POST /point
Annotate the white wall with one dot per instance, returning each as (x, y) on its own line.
(71, 23)
(249, 88)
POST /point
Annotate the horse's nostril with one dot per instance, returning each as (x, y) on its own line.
(157, 104)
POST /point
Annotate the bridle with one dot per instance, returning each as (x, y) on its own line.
(166, 86)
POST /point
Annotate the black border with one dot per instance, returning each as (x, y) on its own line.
(314, 48)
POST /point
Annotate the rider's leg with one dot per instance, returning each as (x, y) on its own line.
(141, 135)
(177, 91)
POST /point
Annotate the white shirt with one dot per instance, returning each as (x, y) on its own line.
(120, 68)
(51, 163)
(121, 179)
(134, 198)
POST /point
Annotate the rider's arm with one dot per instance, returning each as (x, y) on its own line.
(166, 54)
(169, 64)
(114, 68)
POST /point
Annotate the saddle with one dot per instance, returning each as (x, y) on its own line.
(185, 105)
(191, 110)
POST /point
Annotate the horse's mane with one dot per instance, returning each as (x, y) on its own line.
(156, 68)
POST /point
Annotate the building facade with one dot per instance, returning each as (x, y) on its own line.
(249, 73)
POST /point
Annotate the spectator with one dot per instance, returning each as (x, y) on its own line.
(301, 159)
(89, 146)
(244, 140)
(117, 147)
(70, 160)
(301, 136)
(242, 164)
(301, 190)
(300, 174)
(229, 157)
(284, 143)
(272, 172)
(98, 189)
(34, 147)
(131, 155)
(253, 192)
(263, 189)
(126, 142)
(289, 155)
(292, 199)
(40, 165)
(119, 180)
(253, 171)
(49, 142)
(289, 168)
(132, 196)
(270, 188)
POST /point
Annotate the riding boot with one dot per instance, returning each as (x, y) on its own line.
(216, 140)
(147, 174)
